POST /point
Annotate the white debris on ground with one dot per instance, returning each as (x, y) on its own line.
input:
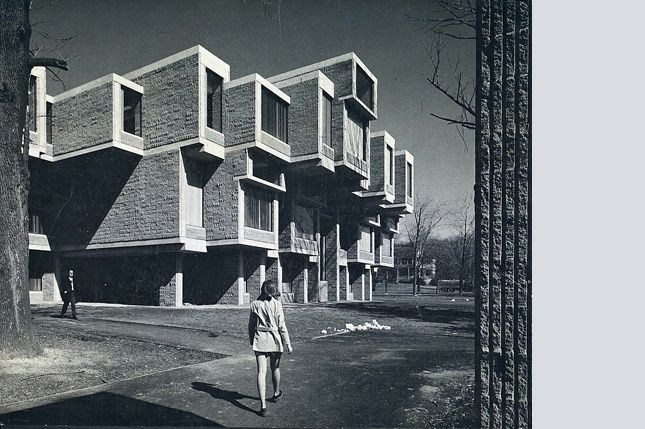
(350, 327)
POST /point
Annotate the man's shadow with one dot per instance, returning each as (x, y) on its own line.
(227, 395)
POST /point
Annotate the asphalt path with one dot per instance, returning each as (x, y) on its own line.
(376, 378)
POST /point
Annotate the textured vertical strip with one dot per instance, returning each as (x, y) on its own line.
(496, 104)
(508, 217)
(482, 190)
(502, 198)
(523, 154)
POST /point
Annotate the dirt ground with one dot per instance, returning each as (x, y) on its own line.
(429, 372)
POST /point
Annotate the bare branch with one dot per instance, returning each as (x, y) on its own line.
(57, 78)
(454, 99)
(466, 124)
(49, 63)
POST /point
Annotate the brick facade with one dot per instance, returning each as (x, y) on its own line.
(116, 207)
(83, 121)
(171, 102)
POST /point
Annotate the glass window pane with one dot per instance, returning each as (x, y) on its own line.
(274, 115)
(131, 111)
(364, 88)
(213, 101)
(355, 135)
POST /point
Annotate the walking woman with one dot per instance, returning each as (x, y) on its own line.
(269, 337)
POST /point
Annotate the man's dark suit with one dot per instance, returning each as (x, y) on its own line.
(67, 293)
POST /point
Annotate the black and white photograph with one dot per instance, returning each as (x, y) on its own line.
(266, 213)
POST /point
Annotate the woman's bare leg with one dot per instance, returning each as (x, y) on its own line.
(262, 378)
(275, 372)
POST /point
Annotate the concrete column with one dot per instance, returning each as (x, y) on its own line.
(279, 267)
(263, 275)
(347, 285)
(305, 283)
(368, 285)
(241, 286)
(179, 280)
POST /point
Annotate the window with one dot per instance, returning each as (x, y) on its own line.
(409, 180)
(274, 115)
(258, 209)
(194, 193)
(326, 120)
(365, 147)
(131, 111)
(386, 245)
(304, 222)
(35, 225)
(364, 88)
(356, 137)
(31, 114)
(50, 123)
(389, 165)
(213, 101)
(366, 240)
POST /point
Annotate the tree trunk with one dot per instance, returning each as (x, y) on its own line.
(462, 267)
(414, 272)
(16, 333)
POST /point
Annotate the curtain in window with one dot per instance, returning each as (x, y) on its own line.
(274, 115)
(194, 198)
(266, 212)
(354, 136)
(366, 239)
(258, 209)
(251, 210)
(386, 246)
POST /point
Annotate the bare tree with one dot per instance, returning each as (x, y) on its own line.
(426, 217)
(455, 20)
(464, 227)
(16, 60)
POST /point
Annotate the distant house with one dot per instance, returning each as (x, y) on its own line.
(403, 269)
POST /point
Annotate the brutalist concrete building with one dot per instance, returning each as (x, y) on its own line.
(173, 184)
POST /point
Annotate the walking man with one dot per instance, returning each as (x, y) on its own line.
(68, 294)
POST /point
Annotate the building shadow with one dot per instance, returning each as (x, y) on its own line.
(103, 409)
(420, 312)
(229, 396)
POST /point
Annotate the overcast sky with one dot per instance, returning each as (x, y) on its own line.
(118, 36)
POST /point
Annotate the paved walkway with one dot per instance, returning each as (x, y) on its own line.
(367, 378)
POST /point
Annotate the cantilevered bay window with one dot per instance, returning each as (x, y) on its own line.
(274, 115)
(258, 209)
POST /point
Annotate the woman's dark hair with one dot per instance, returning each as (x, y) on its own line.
(268, 291)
